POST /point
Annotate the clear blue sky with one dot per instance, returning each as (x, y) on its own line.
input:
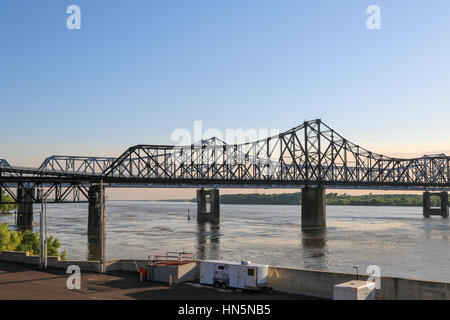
(137, 70)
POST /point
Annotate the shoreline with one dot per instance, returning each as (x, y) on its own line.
(302, 282)
(283, 204)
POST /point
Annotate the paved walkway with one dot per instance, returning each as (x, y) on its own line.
(27, 282)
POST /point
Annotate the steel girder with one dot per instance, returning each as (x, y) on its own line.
(310, 154)
(54, 193)
(4, 163)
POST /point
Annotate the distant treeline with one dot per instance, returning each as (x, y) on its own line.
(4, 208)
(331, 199)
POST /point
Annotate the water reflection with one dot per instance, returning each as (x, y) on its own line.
(207, 230)
(436, 229)
(314, 248)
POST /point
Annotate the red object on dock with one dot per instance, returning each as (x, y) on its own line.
(143, 271)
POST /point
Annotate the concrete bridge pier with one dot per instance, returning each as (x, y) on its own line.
(94, 219)
(313, 208)
(25, 207)
(203, 214)
(429, 211)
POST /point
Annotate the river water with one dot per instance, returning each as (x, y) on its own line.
(397, 239)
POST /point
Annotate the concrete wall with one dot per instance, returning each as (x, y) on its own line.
(52, 261)
(321, 283)
(19, 257)
(187, 272)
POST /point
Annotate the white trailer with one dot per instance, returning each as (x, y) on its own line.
(243, 275)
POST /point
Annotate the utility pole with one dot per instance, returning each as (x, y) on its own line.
(43, 232)
(102, 228)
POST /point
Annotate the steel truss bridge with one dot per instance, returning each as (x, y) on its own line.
(311, 154)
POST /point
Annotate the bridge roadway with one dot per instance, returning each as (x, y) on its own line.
(312, 157)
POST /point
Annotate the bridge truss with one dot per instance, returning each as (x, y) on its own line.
(311, 154)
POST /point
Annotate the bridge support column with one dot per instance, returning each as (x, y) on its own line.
(203, 215)
(25, 207)
(94, 219)
(442, 211)
(313, 208)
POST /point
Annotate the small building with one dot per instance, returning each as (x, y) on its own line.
(243, 275)
(172, 267)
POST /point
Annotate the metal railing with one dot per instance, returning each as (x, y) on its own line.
(171, 258)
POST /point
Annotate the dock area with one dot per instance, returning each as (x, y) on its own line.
(26, 282)
(122, 280)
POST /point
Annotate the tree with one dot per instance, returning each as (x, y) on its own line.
(9, 239)
(7, 207)
(53, 245)
(29, 241)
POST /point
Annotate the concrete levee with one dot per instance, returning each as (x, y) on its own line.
(321, 283)
(19, 257)
(300, 281)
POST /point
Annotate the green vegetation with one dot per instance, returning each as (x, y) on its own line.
(4, 208)
(11, 240)
(410, 200)
(257, 198)
(331, 199)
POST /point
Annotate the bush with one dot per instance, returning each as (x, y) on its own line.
(30, 242)
(11, 240)
(53, 245)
